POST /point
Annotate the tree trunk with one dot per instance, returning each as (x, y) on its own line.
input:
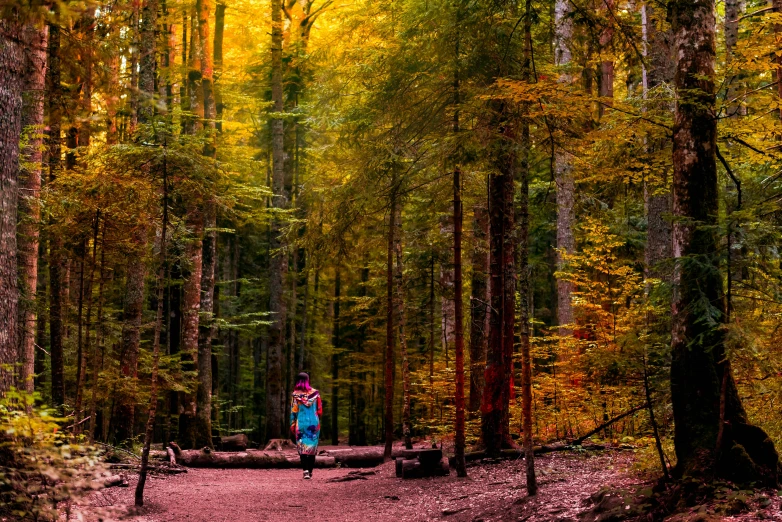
(446, 292)
(335, 361)
(218, 62)
(146, 83)
(11, 89)
(56, 262)
(191, 303)
(96, 361)
(35, 43)
(399, 305)
(657, 197)
(563, 176)
(203, 427)
(699, 366)
(390, 329)
(525, 276)
(458, 218)
(278, 266)
(203, 421)
(479, 305)
(606, 90)
(496, 395)
(153, 392)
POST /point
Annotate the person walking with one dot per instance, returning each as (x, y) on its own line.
(306, 409)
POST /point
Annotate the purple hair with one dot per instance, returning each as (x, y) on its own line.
(302, 382)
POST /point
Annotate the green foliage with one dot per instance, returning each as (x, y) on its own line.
(43, 468)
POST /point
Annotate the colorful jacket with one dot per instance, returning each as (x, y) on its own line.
(306, 409)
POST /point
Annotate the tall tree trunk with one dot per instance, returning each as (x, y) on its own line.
(606, 90)
(563, 175)
(203, 428)
(335, 342)
(657, 197)
(399, 305)
(278, 266)
(191, 304)
(496, 395)
(432, 393)
(525, 289)
(35, 37)
(96, 361)
(458, 219)
(359, 384)
(11, 89)
(134, 289)
(733, 10)
(479, 305)
(56, 261)
(446, 292)
(390, 328)
(700, 372)
(218, 62)
(153, 392)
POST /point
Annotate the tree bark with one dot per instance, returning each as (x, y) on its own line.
(657, 197)
(56, 262)
(446, 292)
(525, 289)
(699, 366)
(11, 89)
(153, 392)
(278, 266)
(390, 328)
(191, 303)
(496, 396)
(479, 305)
(399, 305)
(563, 176)
(35, 38)
(458, 218)
(203, 427)
(336, 346)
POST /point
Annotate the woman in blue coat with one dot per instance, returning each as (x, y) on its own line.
(306, 409)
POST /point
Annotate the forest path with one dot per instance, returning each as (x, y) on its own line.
(493, 492)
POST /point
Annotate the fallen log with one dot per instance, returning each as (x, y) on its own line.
(357, 457)
(233, 442)
(253, 459)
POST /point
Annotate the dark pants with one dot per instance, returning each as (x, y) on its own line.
(307, 462)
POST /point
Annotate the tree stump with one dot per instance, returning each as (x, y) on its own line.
(428, 463)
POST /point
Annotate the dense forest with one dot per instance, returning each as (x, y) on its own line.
(486, 224)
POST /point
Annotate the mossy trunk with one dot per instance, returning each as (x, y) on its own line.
(703, 391)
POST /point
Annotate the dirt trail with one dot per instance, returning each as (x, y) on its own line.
(493, 492)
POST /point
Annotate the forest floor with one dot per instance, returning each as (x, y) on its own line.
(493, 492)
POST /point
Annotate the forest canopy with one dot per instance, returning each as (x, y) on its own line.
(493, 224)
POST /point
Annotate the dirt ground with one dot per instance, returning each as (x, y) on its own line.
(493, 492)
